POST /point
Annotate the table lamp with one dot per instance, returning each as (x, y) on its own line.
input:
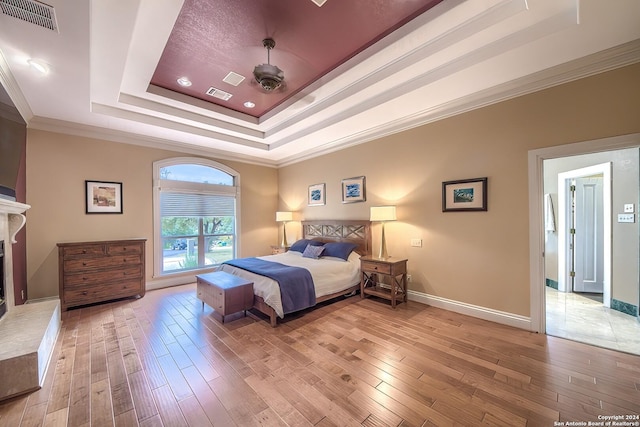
(284, 217)
(383, 214)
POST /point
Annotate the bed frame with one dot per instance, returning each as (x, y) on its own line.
(352, 231)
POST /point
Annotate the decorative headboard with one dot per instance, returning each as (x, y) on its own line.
(353, 231)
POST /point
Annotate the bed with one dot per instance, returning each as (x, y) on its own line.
(332, 275)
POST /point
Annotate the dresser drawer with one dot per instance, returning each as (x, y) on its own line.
(81, 264)
(375, 267)
(83, 251)
(106, 276)
(122, 249)
(89, 294)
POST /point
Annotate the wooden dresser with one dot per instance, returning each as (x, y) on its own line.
(91, 272)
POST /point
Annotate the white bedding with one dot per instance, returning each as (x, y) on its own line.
(329, 275)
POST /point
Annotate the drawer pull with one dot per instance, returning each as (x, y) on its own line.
(84, 251)
(85, 293)
(84, 264)
(375, 268)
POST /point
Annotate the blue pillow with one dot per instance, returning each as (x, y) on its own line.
(312, 251)
(339, 249)
(302, 244)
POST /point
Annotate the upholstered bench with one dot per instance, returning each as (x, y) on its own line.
(225, 293)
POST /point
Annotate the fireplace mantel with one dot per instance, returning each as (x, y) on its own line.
(11, 207)
(11, 221)
(14, 211)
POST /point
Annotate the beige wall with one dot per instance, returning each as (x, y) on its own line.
(57, 167)
(478, 258)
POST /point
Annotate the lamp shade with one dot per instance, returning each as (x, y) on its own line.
(383, 213)
(284, 216)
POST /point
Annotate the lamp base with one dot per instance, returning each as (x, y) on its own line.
(284, 243)
(383, 246)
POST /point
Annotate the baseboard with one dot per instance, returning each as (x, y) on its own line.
(174, 280)
(624, 307)
(504, 318)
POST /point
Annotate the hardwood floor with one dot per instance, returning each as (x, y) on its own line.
(162, 361)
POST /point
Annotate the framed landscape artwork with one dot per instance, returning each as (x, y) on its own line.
(353, 190)
(464, 195)
(103, 197)
(316, 195)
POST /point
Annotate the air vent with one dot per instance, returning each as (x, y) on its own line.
(32, 12)
(220, 94)
(233, 78)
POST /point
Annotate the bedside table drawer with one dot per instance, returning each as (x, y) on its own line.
(376, 267)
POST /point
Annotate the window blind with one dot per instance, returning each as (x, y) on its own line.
(190, 204)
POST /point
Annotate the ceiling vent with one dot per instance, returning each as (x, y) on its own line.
(233, 78)
(31, 11)
(220, 94)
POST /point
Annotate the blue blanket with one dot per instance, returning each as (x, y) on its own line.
(297, 290)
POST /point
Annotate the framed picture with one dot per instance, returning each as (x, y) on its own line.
(103, 197)
(464, 195)
(353, 190)
(316, 195)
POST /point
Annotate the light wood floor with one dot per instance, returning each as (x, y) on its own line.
(161, 360)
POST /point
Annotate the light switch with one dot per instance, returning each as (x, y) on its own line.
(628, 207)
(417, 243)
(626, 217)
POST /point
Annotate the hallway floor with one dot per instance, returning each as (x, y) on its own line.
(583, 318)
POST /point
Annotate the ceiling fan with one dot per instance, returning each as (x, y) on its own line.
(268, 76)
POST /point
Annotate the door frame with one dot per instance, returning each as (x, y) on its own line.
(563, 211)
(536, 209)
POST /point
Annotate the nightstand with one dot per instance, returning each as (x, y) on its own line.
(279, 249)
(395, 270)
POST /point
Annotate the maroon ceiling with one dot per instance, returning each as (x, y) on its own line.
(213, 37)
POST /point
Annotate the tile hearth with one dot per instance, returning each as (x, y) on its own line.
(27, 337)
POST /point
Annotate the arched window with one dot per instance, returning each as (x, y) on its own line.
(195, 210)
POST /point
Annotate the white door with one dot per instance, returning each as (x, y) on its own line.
(589, 235)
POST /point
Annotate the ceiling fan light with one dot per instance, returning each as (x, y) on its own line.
(268, 76)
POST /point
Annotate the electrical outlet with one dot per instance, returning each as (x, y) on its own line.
(628, 207)
(626, 217)
(416, 243)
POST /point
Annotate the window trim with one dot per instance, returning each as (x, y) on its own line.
(185, 186)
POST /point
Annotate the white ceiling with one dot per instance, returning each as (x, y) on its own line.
(458, 56)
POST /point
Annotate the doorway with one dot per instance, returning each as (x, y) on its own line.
(545, 246)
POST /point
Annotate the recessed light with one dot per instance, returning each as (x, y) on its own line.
(249, 104)
(39, 65)
(184, 82)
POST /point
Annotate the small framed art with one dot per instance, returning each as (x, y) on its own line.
(316, 195)
(103, 197)
(353, 190)
(464, 195)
